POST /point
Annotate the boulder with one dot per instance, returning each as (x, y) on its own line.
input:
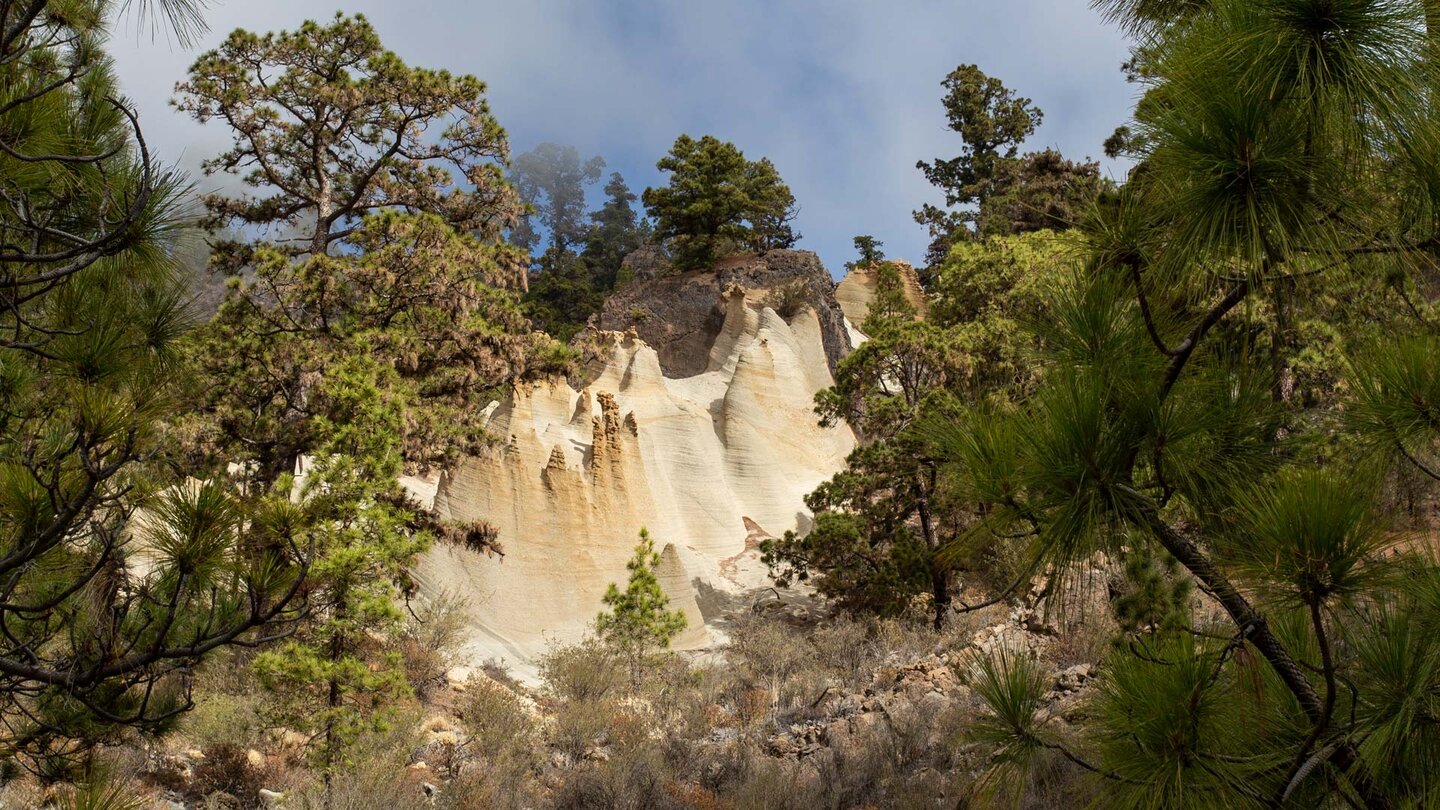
(1072, 679)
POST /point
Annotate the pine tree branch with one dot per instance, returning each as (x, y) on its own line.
(1192, 340)
(1294, 775)
(1254, 626)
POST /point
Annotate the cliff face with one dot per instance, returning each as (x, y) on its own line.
(681, 315)
(710, 452)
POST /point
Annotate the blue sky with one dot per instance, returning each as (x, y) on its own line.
(843, 95)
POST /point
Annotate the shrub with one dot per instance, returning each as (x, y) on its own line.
(766, 655)
(373, 777)
(496, 720)
(789, 300)
(499, 672)
(228, 706)
(586, 671)
(427, 643)
(631, 779)
(227, 769)
(221, 718)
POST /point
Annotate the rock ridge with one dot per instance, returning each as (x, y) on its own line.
(680, 315)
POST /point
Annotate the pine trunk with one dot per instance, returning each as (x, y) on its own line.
(939, 581)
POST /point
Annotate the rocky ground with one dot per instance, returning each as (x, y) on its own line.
(801, 709)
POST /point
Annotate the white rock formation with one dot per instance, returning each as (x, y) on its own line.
(703, 462)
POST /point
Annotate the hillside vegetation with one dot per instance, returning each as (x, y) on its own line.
(1140, 510)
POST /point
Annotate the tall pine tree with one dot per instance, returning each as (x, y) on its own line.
(1282, 215)
(717, 202)
(369, 346)
(117, 577)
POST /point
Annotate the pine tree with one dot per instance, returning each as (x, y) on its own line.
(882, 525)
(1280, 220)
(116, 576)
(870, 252)
(563, 295)
(717, 202)
(391, 349)
(639, 621)
(414, 293)
(330, 127)
(616, 231)
(367, 349)
(551, 180)
(999, 191)
(570, 289)
(331, 679)
(873, 546)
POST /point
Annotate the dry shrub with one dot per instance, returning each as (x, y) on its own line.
(631, 748)
(586, 728)
(800, 667)
(504, 753)
(227, 769)
(1081, 643)
(579, 727)
(496, 720)
(695, 797)
(428, 641)
(861, 775)
(632, 779)
(766, 655)
(492, 788)
(374, 776)
(753, 707)
(789, 300)
(582, 672)
(689, 712)
(848, 648)
(746, 779)
(499, 671)
(587, 684)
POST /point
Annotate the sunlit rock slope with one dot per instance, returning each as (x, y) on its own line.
(711, 457)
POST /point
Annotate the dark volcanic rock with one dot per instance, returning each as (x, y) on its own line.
(680, 315)
(647, 263)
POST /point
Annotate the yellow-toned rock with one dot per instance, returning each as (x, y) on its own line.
(857, 290)
(580, 468)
